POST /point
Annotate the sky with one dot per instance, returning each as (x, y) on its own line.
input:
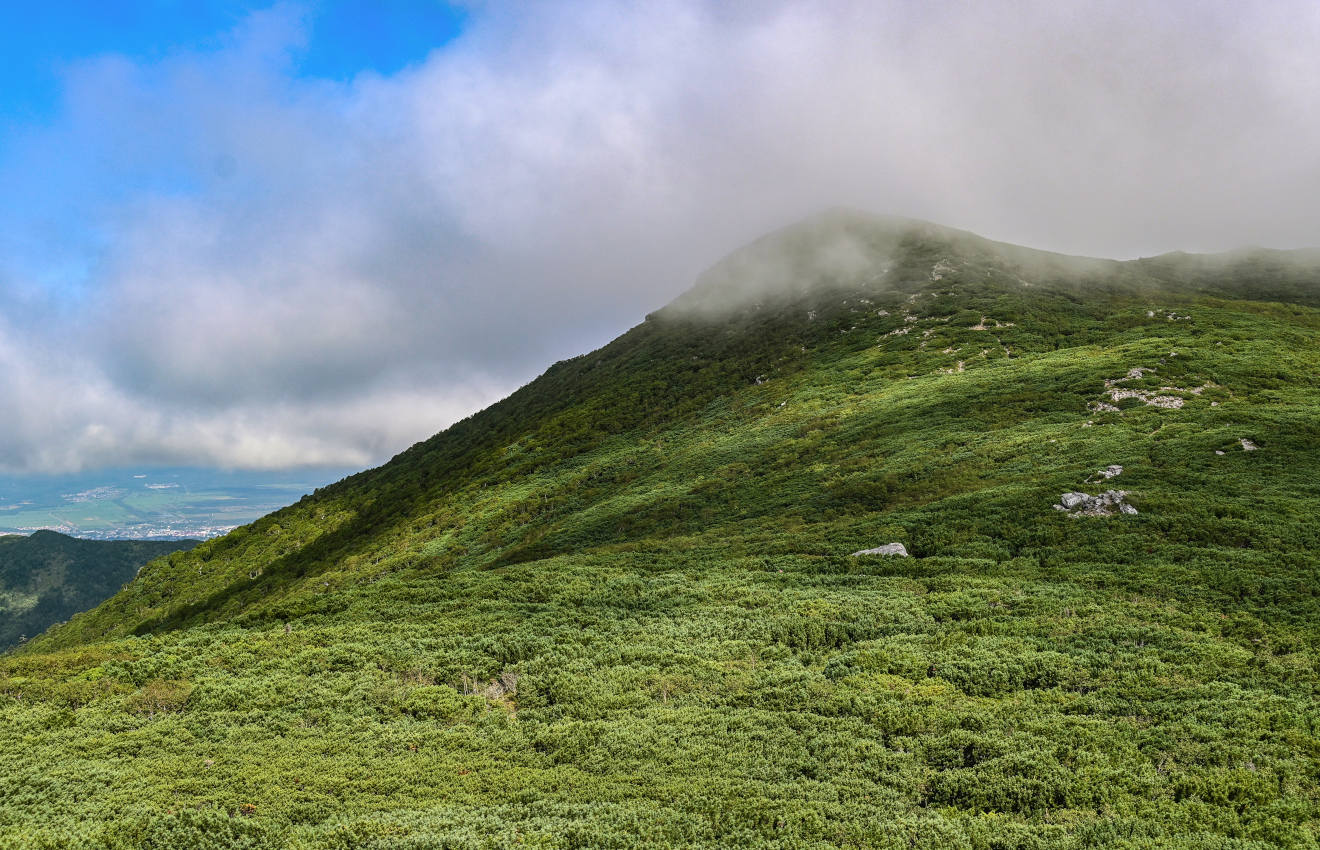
(256, 236)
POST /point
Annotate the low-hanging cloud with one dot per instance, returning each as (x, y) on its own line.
(275, 271)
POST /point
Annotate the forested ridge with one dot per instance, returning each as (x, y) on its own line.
(46, 577)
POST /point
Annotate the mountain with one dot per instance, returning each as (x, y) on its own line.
(620, 608)
(47, 577)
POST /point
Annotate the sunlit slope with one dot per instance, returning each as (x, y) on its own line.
(618, 608)
(932, 366)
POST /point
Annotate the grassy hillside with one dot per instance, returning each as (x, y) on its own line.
(47, 577)
(618, 608)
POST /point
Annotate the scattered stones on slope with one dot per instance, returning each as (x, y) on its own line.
(1106, 473)
(982, 326)
(940, 269)
(1151, 398)
(887, 549)
(1168, 315)
(1107, 503)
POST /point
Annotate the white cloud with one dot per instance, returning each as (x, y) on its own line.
(282, 271)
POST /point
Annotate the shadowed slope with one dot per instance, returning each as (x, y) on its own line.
(47, 577)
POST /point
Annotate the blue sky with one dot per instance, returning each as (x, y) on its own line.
(54, 242)
(344, 37)
(274, 235)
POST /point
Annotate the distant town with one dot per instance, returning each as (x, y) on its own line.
(156, 504)
(146, 531)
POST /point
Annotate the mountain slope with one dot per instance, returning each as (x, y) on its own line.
(618, 609)
(46, 577)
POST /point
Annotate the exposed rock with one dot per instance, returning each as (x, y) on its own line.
(1218, 452)
(1107, 503)
(940, 269)
(1148, 397)
(887, 549)
(1106, 473)
(1168, 401)
(983, 326)
(1248, 446)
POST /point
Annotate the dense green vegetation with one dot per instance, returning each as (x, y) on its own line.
(618, 609)
(48, 577)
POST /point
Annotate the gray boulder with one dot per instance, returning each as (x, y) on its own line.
(1107, 503)
(887, 549)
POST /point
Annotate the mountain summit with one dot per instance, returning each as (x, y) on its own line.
(622, 607)
(845, 250)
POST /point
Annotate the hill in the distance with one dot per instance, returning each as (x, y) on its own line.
(619, 608)
(48, 577)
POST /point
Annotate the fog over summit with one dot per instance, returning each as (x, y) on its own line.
(212, 258)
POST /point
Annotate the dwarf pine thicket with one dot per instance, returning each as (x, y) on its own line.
(618, 608)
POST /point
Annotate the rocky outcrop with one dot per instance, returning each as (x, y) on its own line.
(888, 549)
(1107, 503)
(1152, 397)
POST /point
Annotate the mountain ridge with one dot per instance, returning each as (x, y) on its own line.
(567, 383)
(619, 607)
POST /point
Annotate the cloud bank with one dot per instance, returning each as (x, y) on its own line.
(210, 259)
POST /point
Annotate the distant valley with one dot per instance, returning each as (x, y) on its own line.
(151, 504)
